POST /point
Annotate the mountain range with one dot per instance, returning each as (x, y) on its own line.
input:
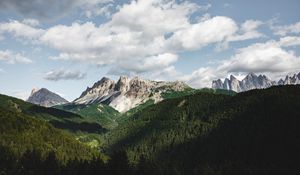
(252, 81)
(189, 132)
(127, 93)
(122, 95)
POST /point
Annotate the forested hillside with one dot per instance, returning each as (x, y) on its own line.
(58, 118)
(22, 136)
(102, 114)
(109, 118)
(255, 132)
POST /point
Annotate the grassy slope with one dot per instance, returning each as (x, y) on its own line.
(249, 133)
(98, 113)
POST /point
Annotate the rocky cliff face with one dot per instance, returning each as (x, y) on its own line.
(44, 97)
(127, 93)
(295, 79)
(252, 81)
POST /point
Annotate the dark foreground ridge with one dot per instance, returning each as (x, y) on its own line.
(254, 132)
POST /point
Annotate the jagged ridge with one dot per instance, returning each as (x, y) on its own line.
(127, 93)
(252, 81)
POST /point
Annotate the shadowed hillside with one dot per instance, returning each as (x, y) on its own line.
(59, 118)
(255, 132)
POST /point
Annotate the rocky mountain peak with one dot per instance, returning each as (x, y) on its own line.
(44, 97)
(217, 83)
(250, 77)
(294, 79)
(123, 84)
(103, 82)
(100, 89)
(127, 92)
(252, 81)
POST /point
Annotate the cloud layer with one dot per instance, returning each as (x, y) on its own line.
(10, 57)
(133, 41)
(272, 58)
(56, 75)
(49, 10)
(287, 29)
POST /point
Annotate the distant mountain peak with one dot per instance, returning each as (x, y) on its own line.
(44, 97)
(127, 92)
(252, 81)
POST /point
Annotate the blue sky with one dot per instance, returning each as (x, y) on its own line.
(67, 45)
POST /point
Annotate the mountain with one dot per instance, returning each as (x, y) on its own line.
(127, 93)
(249, 133)
(46, 98)
(189, 132)
(295, 79)
(251, 81)
(109, 118)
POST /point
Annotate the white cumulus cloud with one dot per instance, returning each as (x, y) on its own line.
(134, 41)
(262, 57)
(248, 30)
(270, 58)
(11, 57)
(286, 29)
(56, 75)
(289, 41)
(206, 32)
(21, 29)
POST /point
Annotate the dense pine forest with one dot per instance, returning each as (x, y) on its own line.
(204, 132)
(254, 132)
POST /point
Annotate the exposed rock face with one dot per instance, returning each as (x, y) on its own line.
(127, 93)
(295, 79)
(97, 92)
(251, 81)
(44, 97)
